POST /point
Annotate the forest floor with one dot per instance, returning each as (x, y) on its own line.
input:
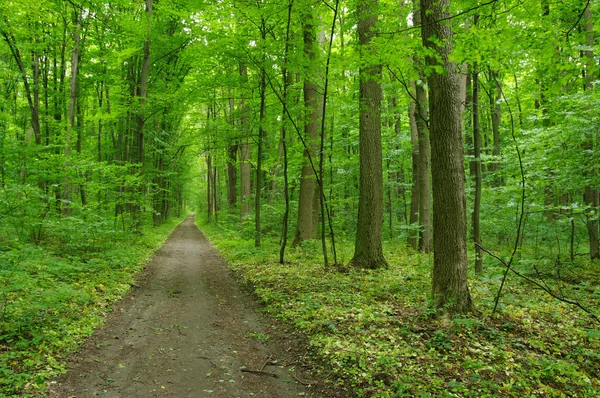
(186, 329)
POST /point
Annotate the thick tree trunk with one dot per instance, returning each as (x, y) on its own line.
(308, 200)
(450, 289)
(368, 251)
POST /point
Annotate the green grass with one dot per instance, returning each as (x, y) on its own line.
(54, 294)
(376, 332)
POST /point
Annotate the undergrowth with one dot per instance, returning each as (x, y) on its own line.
(54, 293)
(376, 331)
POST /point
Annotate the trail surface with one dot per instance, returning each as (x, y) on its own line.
(186, 330)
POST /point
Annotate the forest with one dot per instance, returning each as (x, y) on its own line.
(411, 186)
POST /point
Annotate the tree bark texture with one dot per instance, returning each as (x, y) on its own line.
(450, 289)
(244, 149)
(368, 251)
(413, 234)
(477, 175)
(421, 117)
(591, 192)
(308, 200)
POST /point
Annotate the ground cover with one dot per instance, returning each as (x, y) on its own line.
(376, 331)
(54, 293)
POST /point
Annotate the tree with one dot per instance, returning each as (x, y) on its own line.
(450, 289)
(308, 198)
(591, 195)
(368, 251)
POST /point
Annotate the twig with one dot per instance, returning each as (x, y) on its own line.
(259, 372)
(542, 287)
(209, 360)
(587, 4)
(304, 383)
(163, 352)
(269, 361)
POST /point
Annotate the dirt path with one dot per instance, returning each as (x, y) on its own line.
(188, 330)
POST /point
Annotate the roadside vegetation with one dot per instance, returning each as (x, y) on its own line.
(55, 291)
(375, 329)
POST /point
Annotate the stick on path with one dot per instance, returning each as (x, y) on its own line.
(186, 330)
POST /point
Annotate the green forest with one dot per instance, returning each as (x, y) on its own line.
(411, 186)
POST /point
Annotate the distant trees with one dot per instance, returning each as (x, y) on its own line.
(128, 111)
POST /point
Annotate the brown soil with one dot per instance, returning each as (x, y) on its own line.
(185, 330)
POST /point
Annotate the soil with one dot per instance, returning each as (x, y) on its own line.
(186, 329)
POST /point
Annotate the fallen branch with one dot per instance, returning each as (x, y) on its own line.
(259, 372)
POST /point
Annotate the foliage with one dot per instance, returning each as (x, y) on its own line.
(374, 328)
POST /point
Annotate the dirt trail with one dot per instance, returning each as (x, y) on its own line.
(188, 330)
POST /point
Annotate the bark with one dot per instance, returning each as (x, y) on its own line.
(261, 136)
(286, 187)
(209, 188)
(413, 235)
(143, 85)
(244, 149)
(496, 114)
(425, 241)
(477, 175)
(449, 288)
(368, 251)
(591, 193)
(71, 127)
(308, 200)
(232, 150)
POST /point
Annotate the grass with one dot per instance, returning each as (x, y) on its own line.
(55, 293)
(376, 331)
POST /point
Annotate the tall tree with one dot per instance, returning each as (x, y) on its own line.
(450, 289)
(477, 175)
(306, 227)
(591, 192)
(368, 251)
(421, 115)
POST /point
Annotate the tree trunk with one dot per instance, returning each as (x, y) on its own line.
(286, 187)
(449, 288)
(477, 175)
(232, 150)
(414, 231)
(368, 251)
(591, 194)
(32, 98)
(209, 188)
(425, 241)
(71, 127)
(308, 200)
(496, 114)
(244, 149)
(261, 138)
